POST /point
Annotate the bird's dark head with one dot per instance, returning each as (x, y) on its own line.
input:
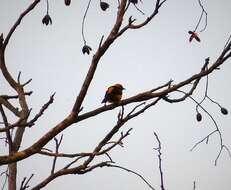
(119, 86)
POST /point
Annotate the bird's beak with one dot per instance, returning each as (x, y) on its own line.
(124, 88)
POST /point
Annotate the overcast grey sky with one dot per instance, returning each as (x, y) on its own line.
(140, 60)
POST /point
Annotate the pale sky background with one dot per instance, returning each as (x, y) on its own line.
(140, 60)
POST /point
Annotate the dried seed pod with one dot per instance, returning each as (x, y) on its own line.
(199, 117)
(193, 35)
(104, 6)
(224, 111)
(47, 19)
(86, 49)
(67, 2)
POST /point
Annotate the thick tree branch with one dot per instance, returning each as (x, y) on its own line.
(138, 98)
(101, 50)
(97, 151)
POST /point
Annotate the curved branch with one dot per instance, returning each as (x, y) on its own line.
(130, 24)
(128, 170)
(100, 52)
(17, 23)
(36, 147)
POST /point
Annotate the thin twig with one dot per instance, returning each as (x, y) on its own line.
(17, 23)
(8, 135)
(47, 3)
(44, 107)
(131, 171)
(138, 9)
(216, 126)
(27, 82)
(227, 42)
(160, 161)
(202, 140)
(194, 185)
(101, 41)
(19, 76)
(206, 16)
(5, 179)
(83, 21)
(137, 106)
(57, 145)
(7, 97)
(24, 183)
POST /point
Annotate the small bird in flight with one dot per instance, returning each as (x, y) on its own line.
(113, 94)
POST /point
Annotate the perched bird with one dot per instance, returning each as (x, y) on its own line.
(113, 94)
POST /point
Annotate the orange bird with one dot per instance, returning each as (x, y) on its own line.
(113, 94)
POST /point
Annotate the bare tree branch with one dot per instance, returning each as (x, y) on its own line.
(8, 136)
(130, 24)
(110, 39)
(44, 107)
(9, 106)
(57, 145)
(5, 179)
(217, 130)
(140, 97)
(7, 97)
(143, 100)
(17, 23)
(160, 162)
(128, 170)
(194, 185)
(24, 183)
(16, 124)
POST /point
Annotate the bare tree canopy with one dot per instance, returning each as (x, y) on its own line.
(82, 80)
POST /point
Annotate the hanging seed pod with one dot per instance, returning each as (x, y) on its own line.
(224, 111)
(67, 2)
(86, 49)
(193, 35)
(199, 117)
(47, 19)
(104, 6)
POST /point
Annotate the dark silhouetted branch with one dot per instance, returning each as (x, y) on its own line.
(5, 179)
(8, 135)
(217, 130)
(160, 162)
(194, 185)
(44, 107)
(24, 183)
(17, 23)
(57, 145)
(131, 171)
(7, 97)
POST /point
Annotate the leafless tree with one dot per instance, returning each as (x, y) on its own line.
(14, 130)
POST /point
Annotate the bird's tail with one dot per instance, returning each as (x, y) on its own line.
(104, 100)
